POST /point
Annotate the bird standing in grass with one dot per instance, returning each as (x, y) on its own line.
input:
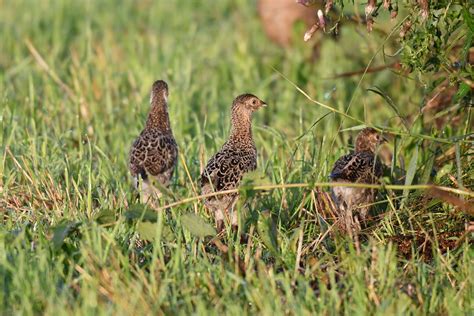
(362, 166)
(237, 156)
(154, 153)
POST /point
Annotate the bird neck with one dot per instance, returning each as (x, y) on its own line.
(360, 147)
(362, 144)
(241, 128)
(158, 117)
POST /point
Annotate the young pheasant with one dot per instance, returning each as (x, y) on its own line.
(362, 166)
(154, 153)
(237, 156)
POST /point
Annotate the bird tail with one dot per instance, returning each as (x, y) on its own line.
(335, 175)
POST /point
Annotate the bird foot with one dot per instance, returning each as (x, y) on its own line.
(243, 237)
(220, 226)
(235, 228)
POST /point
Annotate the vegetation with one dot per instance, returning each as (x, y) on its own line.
(74, 84)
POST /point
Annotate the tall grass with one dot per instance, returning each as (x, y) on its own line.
(74, 84)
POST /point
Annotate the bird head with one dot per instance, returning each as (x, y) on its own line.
(368, 140)
(159, 92)
(247, 103)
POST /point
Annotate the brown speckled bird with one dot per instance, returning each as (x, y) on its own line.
(237, 156)
(362, 166)
(154, 153)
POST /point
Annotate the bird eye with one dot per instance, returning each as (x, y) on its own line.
(254, 101)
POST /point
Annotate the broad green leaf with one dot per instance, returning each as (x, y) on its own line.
(147, 230)
(257, 177)
(411, 170)
(105, 217)
(251, 180)
(62, 231)
(443, 171)
(428, 167)
(167, 233)
(151, 230)
(294, 238)
(197, 226)
(267, 230)
(141, 212)
(463, 90)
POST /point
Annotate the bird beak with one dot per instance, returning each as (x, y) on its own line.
(264, 104)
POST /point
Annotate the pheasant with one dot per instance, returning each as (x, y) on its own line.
(362, 166)
(154, 153)
(237, 156)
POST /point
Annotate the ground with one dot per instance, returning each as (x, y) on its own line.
(74, 89)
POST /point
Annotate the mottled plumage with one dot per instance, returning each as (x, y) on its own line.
(362, 166)
(357, 167)
(237, 156)
(154, 153)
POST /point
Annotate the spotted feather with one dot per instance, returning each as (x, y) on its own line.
(238, 155)
(154, 153)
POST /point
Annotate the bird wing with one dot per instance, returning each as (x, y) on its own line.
(153, 153)
(357, 167)
(226, 168)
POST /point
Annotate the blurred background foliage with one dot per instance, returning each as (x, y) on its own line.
(74, 89)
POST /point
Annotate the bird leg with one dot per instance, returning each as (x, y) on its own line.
(219, 215)
(356, 223)
(234, 216)
(364, 216)
(355, 234)
(148, 193)
(235, 226)
(348, 220)
(143, 188)
(234, 220)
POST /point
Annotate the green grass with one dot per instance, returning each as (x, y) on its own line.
(64, 161)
